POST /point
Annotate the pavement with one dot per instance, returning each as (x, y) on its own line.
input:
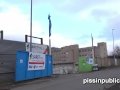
(69, 82)
(115, 87)
(10, 85)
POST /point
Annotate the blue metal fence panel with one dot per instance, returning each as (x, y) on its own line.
(22, 72)
(49, 65)
(38, 73)
(44, 71)
(30, 74)
(21, 63)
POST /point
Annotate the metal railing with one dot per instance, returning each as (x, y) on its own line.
(26, 38)
(1, 35)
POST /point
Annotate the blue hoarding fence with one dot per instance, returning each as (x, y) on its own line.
(22, 72)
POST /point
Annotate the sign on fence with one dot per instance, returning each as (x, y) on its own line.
(90, 61)
(36, 61)
(37, 48)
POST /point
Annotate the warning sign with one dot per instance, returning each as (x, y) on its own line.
(36, 61)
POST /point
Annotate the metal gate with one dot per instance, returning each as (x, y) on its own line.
(22, 72)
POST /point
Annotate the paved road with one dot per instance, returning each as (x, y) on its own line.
(73, 81)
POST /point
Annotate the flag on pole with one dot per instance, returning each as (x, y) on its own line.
(50, 25)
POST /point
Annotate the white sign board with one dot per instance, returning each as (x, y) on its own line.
(37, 48)
(36, 61)
(90, 61)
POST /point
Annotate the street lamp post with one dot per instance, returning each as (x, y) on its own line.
(31, 27)
(93, 56)
(114, 48)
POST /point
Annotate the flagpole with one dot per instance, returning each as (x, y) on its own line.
(49, 46)
(31, 27)
(50, 25)
(92, 49)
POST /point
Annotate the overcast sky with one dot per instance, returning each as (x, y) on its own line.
(73, 21)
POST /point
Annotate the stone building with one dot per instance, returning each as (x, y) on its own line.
(100, 53)
(64, 59)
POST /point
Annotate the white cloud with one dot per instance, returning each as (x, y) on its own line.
(110, 6)
(60, 41)
(15, 24)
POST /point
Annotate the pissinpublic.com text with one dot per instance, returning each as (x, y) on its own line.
(101, 81)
